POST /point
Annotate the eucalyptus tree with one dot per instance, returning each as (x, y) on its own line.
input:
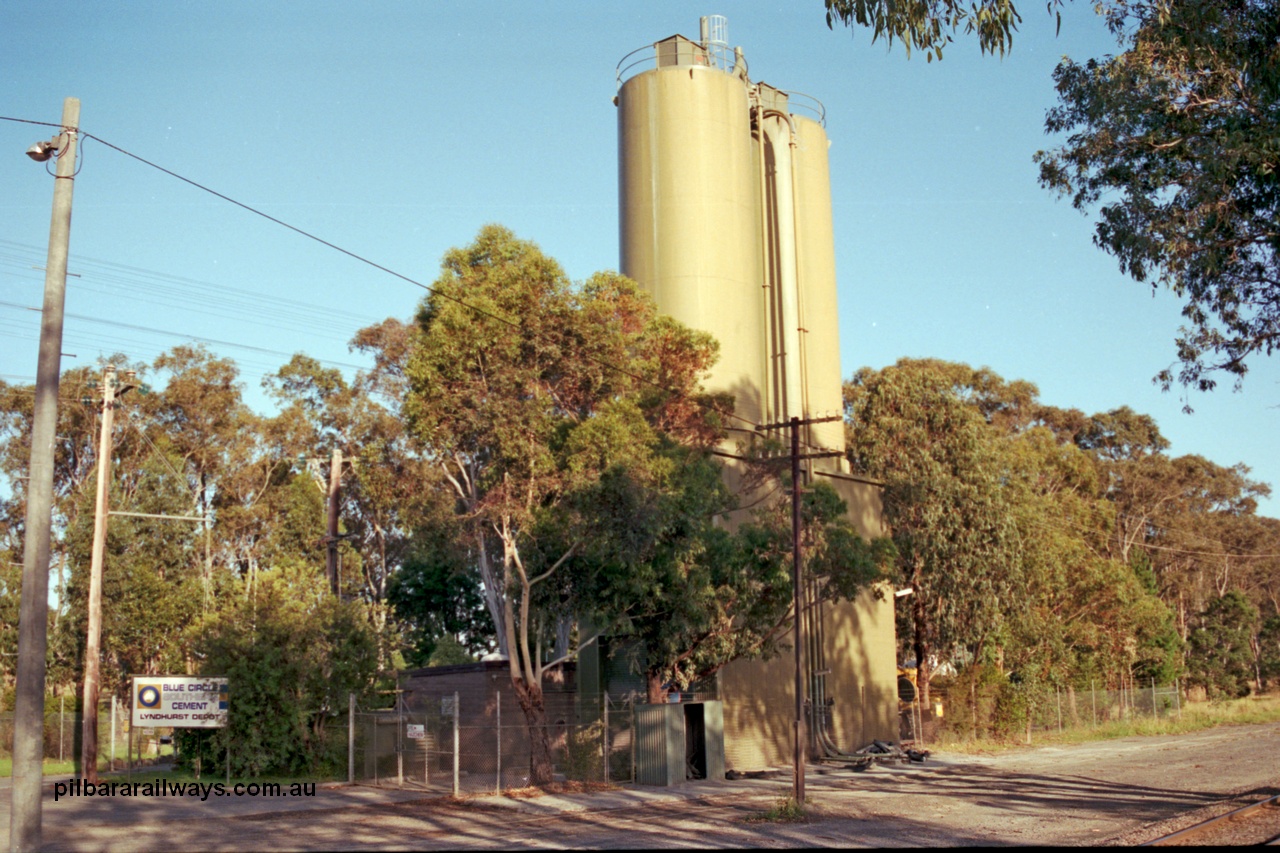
(524, 390)
(693, 592)
(383, 486)
(151, 588)
(944, 467)
(1172, 141)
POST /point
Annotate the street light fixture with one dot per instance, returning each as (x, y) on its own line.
(42, 151)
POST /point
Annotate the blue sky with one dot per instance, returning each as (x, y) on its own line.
(397, 129)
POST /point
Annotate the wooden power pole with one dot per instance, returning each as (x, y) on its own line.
(797, 590)
(331, 536)
(93, 638)
(797, 602)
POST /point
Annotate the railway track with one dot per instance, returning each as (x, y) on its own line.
(1253, 824)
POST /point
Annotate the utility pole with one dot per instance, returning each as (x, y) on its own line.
(331, 537)
(25, 829)
(92, 648)
(799, 733)
(797, 597)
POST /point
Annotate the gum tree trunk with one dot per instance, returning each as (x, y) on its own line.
(533, 705)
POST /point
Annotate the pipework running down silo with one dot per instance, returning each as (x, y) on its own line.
(725, 218)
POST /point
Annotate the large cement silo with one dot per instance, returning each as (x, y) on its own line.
(690, 217)
(816, 279)
(725, 218)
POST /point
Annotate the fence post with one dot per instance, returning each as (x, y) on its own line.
(114, 702)
(399, 734)
(1177, 698)
(1093, 697)
(62, 725)
(351, 738)
(1057, 691)
(455, 743)
(1155, 710)
(604, 743)
(498, 785)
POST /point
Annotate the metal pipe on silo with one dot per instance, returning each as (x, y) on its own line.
(781, 139)
(772, 384)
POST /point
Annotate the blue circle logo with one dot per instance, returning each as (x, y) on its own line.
(149, 697)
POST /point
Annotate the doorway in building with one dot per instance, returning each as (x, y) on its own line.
(695, 741)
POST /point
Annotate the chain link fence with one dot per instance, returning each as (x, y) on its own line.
(1015, 710)
(63, 729)
(466, 743)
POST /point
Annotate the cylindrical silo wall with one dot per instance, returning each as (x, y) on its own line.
(689, 215)
(816, 274)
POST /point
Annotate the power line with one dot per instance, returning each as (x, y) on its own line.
(362, 259)
(186, 293)
(30, 121)
(247, 369)
(151, 330)
(475, 309)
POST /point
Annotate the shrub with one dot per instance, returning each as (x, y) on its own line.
(582, 756)
(291, 653)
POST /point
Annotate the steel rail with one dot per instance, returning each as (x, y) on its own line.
(1204, 826)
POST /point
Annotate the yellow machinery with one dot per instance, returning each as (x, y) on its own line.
(909, 690)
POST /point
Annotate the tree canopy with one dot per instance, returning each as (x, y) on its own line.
(928, 25)
(1173, 141)
(1049, 549)
(534, 459)
(524, 390)
(694, 593)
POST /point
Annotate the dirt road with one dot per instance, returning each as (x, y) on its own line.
(1117, 792)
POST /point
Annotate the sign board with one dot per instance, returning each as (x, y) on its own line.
(180, 701)
(417, 732)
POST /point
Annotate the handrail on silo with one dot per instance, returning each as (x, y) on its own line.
(620, 70)
(719, 56)
(800, 102)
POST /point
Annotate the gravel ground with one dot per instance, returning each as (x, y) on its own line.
(1119, 792)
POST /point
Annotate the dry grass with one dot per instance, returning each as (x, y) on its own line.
(570, 787)
(1195, 716)
(784, 810)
